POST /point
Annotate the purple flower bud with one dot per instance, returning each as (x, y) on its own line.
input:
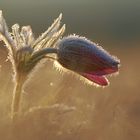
(87, 59)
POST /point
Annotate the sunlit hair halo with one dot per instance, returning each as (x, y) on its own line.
(74, 53)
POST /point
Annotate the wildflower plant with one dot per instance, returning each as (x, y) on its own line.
(25, 51)
(74, 53)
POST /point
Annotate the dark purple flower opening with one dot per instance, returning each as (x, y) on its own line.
(87, 59)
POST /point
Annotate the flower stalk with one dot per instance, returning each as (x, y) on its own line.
(19, 82)
(20, 79)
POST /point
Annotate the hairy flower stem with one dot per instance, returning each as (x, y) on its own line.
(44, 52)
(17, 96)
(21, 77)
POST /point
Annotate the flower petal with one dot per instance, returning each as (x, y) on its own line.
(105, 71)
(100, 80)
(83, 56)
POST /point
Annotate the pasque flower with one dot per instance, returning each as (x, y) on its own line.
(73, 52)
(87, 59)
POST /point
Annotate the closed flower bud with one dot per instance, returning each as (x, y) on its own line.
(86, 58)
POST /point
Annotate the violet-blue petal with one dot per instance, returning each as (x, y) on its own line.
(86, 58)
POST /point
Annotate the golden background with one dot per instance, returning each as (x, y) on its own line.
(111, 113)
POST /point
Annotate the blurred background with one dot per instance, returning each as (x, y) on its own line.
(101, 113)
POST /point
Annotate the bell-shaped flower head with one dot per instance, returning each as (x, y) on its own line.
(87, 59)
